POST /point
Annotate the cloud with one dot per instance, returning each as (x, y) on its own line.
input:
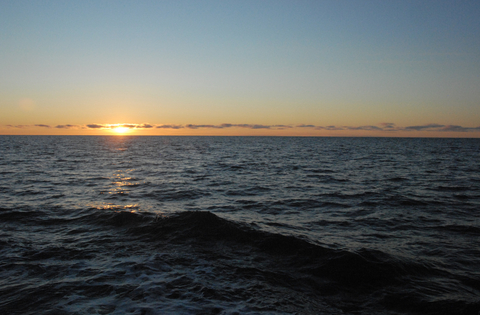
(364, 128)
(248, 126)
(112, 126)
(66, 126)
(42, 125)
(388, 126)
(329, 128)
(95, 126)
(424, 127)
(191, 126)
(242, 125)
(455, 128)
(17, 126)
(131, 126)
(144, 126)
(255, 126)
(169, 126)
(305, 126)
(259, 127)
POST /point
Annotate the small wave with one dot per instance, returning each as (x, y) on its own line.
(397, 179)
(335, 223)
(318, 171)
(20, 214)
(176, 195)
(453, 188)
(116, 217)
(405, 201)
(28, 192)
(359, 195)
(240, 193)
(327, 178)
(56, 196)
(414, 304)
(462, 229)
(308, 204)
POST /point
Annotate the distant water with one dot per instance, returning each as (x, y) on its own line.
(239, 225)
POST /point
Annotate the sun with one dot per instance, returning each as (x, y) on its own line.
(120, 130)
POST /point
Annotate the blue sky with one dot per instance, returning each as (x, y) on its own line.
(321, 63)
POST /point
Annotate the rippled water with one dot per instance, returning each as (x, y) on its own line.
(239, 225)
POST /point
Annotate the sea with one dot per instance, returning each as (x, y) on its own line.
(239, 225)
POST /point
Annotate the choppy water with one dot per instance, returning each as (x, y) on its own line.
(239, 225)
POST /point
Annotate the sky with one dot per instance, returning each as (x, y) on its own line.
(281, 68)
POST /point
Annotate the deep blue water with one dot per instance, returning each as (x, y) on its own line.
(239, 225)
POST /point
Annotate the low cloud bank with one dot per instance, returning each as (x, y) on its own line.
(387, 127)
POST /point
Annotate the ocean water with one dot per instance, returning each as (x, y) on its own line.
(239, 225)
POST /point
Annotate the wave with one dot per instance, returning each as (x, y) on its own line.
(349, 280)
(175, 194)
(362, 268)
(363, 274)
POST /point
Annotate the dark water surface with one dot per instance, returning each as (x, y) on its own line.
(239, 225)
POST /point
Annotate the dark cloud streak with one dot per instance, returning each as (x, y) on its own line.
(305, 126)
(95, 126)
(424, 127)
(145, 126)
(364, 128)
(66, 126)
(329, 128)
(169, 127)
(455, 128)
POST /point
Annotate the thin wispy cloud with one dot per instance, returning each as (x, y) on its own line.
(282, 126)
(257, 127)
(305, 126)
(95, 126)
(131, 126)
(145, 126)
(329, 128)
(459, 128)
(67, 127)
(169, 126)
(425, 127)
(388, 126)
(18, 126)
(364, 128)
(190, 126)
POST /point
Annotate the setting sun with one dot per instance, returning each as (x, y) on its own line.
(120, 129)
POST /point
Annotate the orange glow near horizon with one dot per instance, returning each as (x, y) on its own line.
(120, 130)
(299, 130)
